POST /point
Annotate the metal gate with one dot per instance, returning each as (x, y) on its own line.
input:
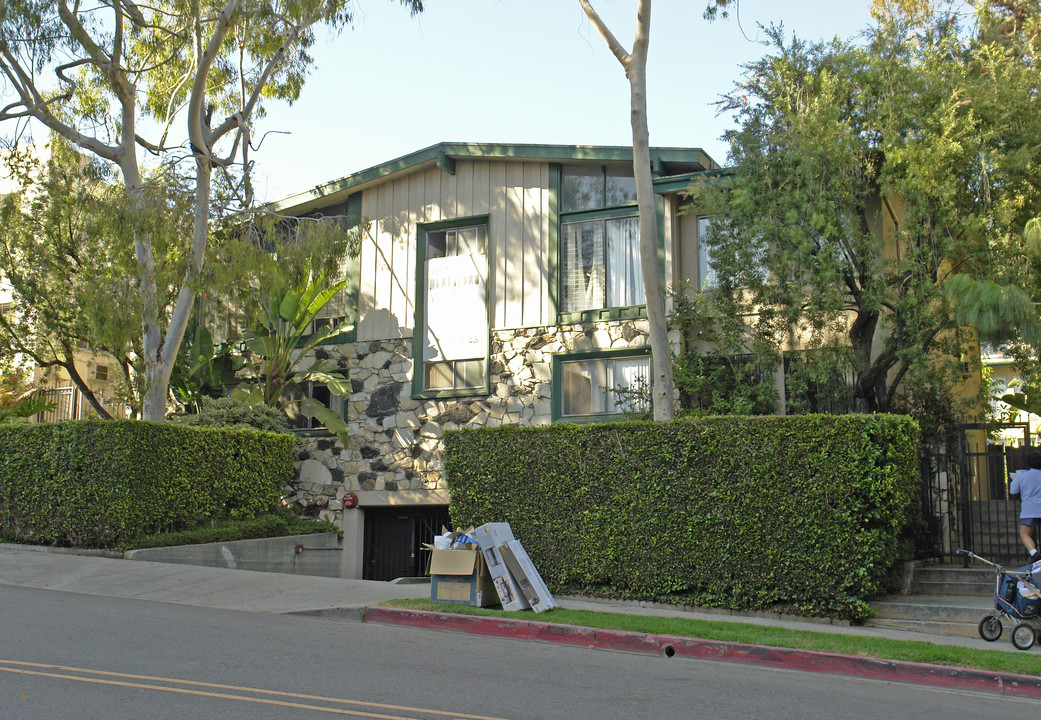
(965, 495)
(989, 515)
(394, 538)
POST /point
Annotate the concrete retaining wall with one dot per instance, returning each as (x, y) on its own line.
(316, 554)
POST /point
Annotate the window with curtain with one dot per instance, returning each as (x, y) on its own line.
(604, 386)
(600, 246)
(601, 264)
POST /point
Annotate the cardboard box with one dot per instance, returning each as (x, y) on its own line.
(490, 536)
(526, 576)
(460, 576)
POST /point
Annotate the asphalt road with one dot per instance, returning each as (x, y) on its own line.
(66, 655)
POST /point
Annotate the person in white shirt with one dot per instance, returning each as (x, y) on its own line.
(1027, 484)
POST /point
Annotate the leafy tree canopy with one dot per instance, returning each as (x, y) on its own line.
(113, 77)
(873, 220)
(68, 258)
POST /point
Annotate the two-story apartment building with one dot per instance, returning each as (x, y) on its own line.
(496, 284)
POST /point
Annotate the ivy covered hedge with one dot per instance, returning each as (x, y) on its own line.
(801, 514)
(93, 483)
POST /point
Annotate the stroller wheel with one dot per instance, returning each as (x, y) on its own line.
(990, 628)
(1023, 636)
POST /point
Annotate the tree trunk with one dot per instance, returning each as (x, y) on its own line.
(661, 355)
(635, 65)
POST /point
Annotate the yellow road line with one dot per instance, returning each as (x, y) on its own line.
(39, 667)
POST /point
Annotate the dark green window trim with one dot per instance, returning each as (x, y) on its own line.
(557, 220)
(628, 312)
(557, 389)
(422, 229)
(600, 213)
(555, 292)
(319, 432)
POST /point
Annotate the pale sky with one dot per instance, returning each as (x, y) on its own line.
(517, 71)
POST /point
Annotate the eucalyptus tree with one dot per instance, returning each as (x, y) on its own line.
(113, 77)
(634, 64)
(67, 259)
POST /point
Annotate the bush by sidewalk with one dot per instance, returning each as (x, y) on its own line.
(92, 483)
(800, 514)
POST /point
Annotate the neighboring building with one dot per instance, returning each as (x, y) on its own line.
(497, 284)
(1004, 378)
(99, 371)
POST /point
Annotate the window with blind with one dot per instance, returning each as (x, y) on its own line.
(600, 239)
(601, 265)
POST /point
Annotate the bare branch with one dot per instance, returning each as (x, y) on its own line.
(616, 48)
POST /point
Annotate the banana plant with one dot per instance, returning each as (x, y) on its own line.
(205, 370)
(26, 408)
(283, 340)
(1023, 401)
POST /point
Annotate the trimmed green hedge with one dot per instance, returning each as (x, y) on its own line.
(93, 483)
(801, 514)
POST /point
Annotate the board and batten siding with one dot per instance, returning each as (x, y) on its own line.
(515, 197)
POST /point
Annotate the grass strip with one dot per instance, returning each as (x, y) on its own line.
(1019, 663)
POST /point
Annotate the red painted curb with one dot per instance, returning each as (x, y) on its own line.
(864, 667)
(671, 645)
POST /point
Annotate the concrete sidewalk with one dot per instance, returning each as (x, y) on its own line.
(54, 569)
(97, 574)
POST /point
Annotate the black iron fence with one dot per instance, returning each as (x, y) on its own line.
(965, 494)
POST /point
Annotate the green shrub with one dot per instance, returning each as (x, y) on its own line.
(801, 514)
(229, 412)
(93, 483)
(279, 523)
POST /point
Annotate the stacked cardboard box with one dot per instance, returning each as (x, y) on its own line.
(458, 573)
(483, 563)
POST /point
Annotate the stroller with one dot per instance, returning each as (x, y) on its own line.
(1017, 598)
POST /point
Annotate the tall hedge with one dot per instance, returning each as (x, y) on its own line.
(803, 514)
(94, 483)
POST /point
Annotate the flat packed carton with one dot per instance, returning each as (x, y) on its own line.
(460, 576)
(526, 576)
(490, 537)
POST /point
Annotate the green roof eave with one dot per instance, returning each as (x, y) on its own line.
(444, 154)
(679, 183)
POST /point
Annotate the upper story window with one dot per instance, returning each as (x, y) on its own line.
(592, 187)
(601, 264)
(452, 325)
(706, 273)
(600, 239)
(751, 256)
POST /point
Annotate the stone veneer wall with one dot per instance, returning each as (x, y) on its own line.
(395, 440)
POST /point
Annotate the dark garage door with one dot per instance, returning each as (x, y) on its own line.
(394, 537)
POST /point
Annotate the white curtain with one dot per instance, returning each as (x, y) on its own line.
(628, 373)
(624, 275)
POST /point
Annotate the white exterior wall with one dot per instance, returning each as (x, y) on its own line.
(515, 196)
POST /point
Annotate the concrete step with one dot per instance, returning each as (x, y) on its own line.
(976, 579)
(934, 614)
(959, 588)
(928, 608)
(949, 573)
